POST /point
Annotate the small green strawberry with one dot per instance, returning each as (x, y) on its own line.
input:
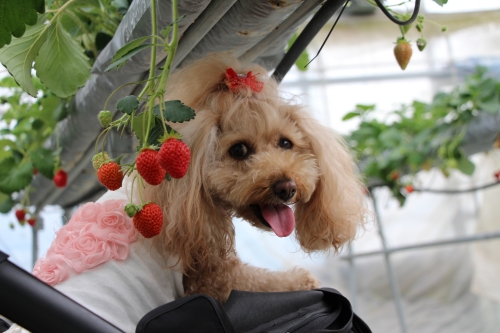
(421, 43)
(105, 118)
(99, 159)
(131, 209)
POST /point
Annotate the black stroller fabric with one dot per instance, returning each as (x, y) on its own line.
(3, 325)
(313, 311)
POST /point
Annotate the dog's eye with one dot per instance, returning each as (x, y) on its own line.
(239, 151)
(285, 143)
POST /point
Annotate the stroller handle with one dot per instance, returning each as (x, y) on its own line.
(38, 307)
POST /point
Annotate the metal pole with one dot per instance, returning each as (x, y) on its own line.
(352, 280)
(390, 271)
(34, 230)
(306, 36)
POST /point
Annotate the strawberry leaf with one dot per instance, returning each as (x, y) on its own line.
(441, 2)
(6, 203)
(124, 50)
(175, 111)
(61, 64)
(156, 132)
(139, 126)
(115, 64)
(128, 104)
(14, 176)
(466, 166)
(43, 159)
(18, 57)
(351, 115)
(15, 15)
(60, 111)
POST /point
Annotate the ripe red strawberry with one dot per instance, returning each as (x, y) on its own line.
(149, 220)
(20, 214)
(60, 178)
(394, 175)
(409, 188)
(403, 53)
(174, 157)
(497, 175)
(148, 167)
(31, 221)
(110, 175)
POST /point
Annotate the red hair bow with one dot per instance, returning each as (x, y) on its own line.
(236, 81)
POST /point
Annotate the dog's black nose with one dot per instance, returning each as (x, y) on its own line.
(285, 189)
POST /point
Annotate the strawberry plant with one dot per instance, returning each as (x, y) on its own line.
(161, 155)
(422, 135)
(43, 42)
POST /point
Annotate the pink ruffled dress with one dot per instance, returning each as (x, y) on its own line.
(100, 260)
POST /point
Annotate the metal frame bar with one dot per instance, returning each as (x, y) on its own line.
(467, 239)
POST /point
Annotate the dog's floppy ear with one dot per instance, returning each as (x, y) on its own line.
(336, 208)
(192, 227)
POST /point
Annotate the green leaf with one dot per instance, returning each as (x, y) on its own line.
(37, 124)
(441, 2)
(7, 143)
(364, 108)
(6, 203)
(390, 137)
(18, 57)
(62, 65)
(129, 47)
(15, 15)
(139, 126)
(491, 105)
(43, 159)
(123, 60)
(175, 111)
(156, 132)
(128, 104)
(351, 115)
(60, 111)
(466, 166)
(166, 31)
(14, 176)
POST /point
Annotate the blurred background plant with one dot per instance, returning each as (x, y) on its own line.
(421, 136)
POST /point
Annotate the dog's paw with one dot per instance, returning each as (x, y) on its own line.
(304, 279)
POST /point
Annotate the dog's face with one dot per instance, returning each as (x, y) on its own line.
(254, 155)
(263, 164)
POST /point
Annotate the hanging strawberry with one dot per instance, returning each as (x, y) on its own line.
(174, 157)
(402, 52)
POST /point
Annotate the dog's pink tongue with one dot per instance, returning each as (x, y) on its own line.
(280, 218)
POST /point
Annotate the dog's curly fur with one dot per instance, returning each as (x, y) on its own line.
(198, 209)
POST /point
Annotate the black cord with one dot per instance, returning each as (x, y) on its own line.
(395, 20)
(329, 33)
(473, 189)
(429, 190)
